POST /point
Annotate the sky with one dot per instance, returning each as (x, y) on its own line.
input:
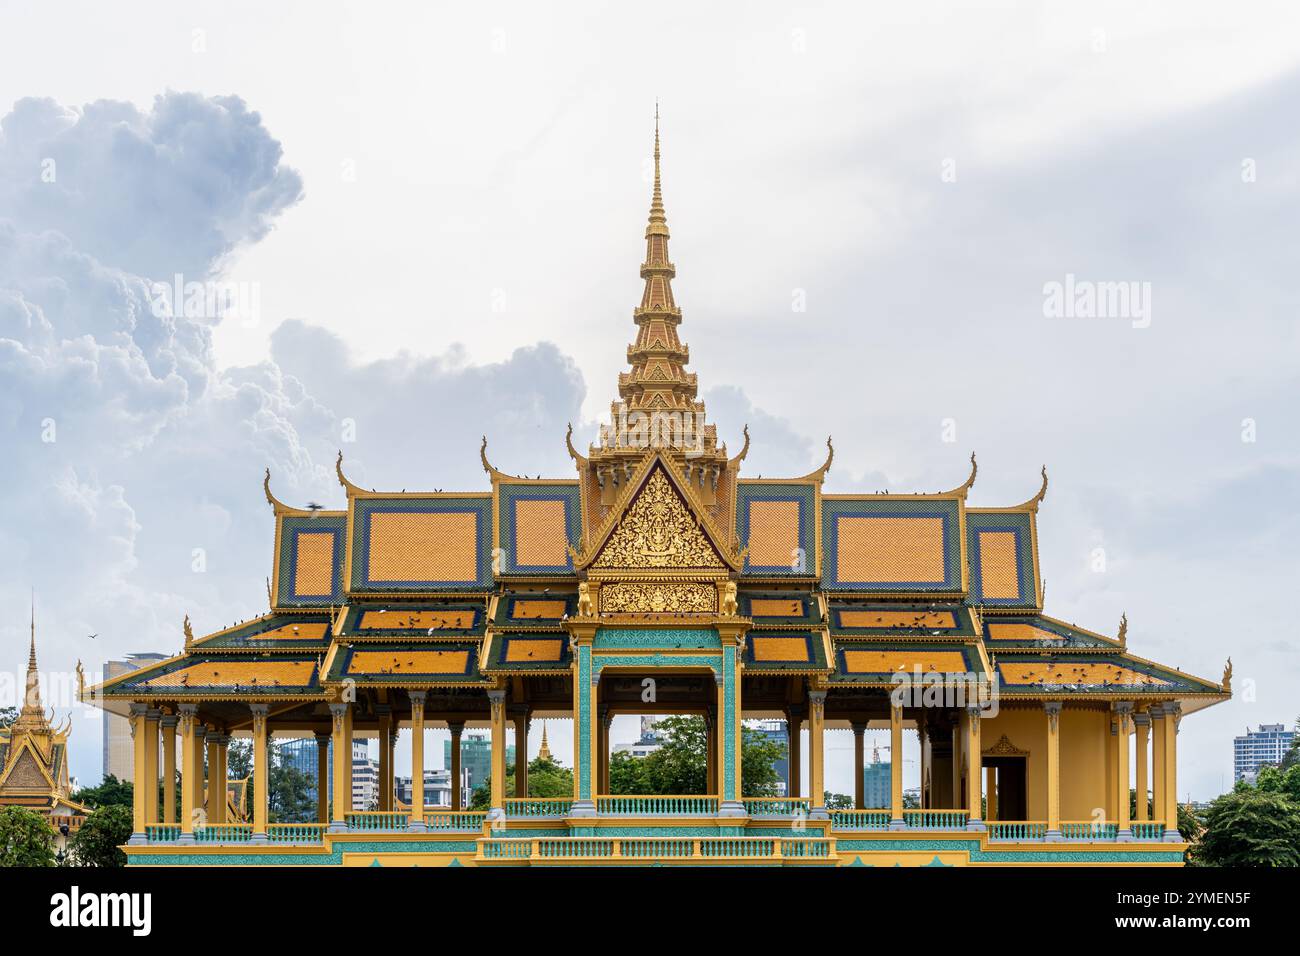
(434, 218)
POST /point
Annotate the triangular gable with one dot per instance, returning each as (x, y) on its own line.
(659, 527)
(27, 771)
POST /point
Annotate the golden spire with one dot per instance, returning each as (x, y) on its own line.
(545, 752)
(33, 711)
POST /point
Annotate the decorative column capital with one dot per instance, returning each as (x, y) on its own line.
(322, 737)
(168, 721)
(1053, 710)
(1142, 719)
(418, 696)
(456, 727)
(859, 727)
(974, 713)
(497, 696)
(140, 709)
(186, 710)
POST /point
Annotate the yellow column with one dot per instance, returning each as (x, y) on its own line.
(816, 753)
(896, 765)
(385, 714)
(794, 736)
(342, 766)
(1053, 709)
(168, 724)
(151, 765)
(261, 772)
(217, 774)
(711, 752)
(418, 698)
(521, 754)
(323, 772)
(497, 703)
(602, 752)
(199, 770)
(923, 737)
(1157, 713)
(191, 787)
(1112, 761)
(456, 787)
(958, 777)
(976, 821)
(139, 767)
(1172, 716)
(859, 766)
(1123, 728)
(1141, 748)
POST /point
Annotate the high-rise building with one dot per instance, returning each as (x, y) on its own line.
(119, 755)
(876, 781)
(365, 777)
(1258, 748)
(475, 761)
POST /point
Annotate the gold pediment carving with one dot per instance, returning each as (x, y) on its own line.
(658, 532)
(658, 598)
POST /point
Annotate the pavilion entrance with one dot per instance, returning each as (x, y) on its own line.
(1005, 788)
(648, 693)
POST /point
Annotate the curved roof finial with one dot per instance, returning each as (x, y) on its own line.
(820, 474)
(962, 489)
(573, 452)
(348, 486)
(1123, 631)
(277, 506)
(493, 473)
(1033, 503)
(189, 632)
(743, 451)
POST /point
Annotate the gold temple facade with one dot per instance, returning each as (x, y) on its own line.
(738, 597)
(34, 760)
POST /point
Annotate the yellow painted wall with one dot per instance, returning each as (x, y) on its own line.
(1083, 757)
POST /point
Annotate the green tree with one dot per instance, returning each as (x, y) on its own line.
(111, 793)
(7, 716)
(546, 778)
(837, 801)
(291, 796)
(680, 765)
(25, 838)
(103, 832)
(1250, 827)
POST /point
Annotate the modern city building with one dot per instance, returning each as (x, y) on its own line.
(1258, 748)
(119, 758)
(876, 781)
(646, 743)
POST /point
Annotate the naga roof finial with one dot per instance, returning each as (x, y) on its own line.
(1033, 503)
(743, 451)
(1123, 631)
(493, 473)
(962, 489)
(348, 486)
(573, 452)
(189, 632)
(1227, 677)
(820, 474)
